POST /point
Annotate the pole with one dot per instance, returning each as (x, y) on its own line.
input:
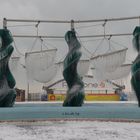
(4, 23)
(27, 93)
(76, 21)
(72, 25)
(62, 37)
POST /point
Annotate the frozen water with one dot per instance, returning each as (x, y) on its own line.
(69, 130)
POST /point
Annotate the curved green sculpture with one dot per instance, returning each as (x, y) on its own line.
(135, 80)
(75, 93)
(7, 81)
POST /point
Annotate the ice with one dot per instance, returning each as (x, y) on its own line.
(69, 130)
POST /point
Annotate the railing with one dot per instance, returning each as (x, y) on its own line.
(63, 91)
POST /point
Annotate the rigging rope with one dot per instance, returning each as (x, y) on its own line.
(17, 49)
(46, 42)
(83, 45)
(90, 40)
(98, 46)
(55, 39)
(87, 26)
(111, 47)
(34, 42)
(118, 44)
(24, 25)
(102, 40)
(37, 27)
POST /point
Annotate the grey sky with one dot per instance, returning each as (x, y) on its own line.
(68, 9)
(71, 9)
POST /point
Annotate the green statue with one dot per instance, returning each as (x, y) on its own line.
(7, 81)
(135, 80)
(75, 93)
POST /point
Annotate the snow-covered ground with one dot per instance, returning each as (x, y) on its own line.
(69, 130)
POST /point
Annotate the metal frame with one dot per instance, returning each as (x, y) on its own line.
(62, 37)
(75, 21)
(71, 22)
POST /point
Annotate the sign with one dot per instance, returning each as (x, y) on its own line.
(89, 85)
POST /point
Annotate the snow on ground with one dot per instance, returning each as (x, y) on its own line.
(69, 130)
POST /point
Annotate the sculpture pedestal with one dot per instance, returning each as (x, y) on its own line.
(55, 111)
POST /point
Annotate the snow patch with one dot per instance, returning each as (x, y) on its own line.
(69, 130)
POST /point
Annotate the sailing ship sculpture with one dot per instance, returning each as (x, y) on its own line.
(135, 80)
(75, 93)
(7, 81)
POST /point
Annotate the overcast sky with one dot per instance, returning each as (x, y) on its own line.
(67, 10)
(70, 9)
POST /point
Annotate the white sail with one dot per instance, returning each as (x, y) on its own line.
(109, 62)
(83, 67)
(13, 63)
(18, 71)
(40, 65)
(119, 73)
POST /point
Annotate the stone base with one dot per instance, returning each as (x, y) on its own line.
(49, 111)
